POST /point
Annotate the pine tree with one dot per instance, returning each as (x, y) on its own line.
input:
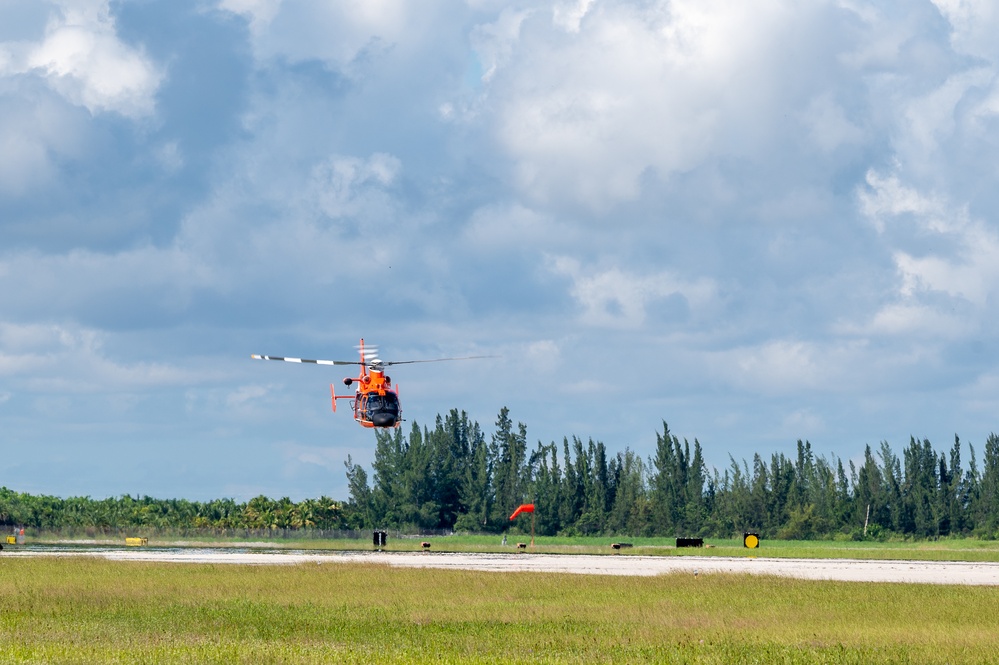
(987, 508)
(360, 493)
(509, 449)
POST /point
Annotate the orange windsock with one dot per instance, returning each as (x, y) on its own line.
(525, 508)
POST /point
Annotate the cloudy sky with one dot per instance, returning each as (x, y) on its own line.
(759, 221)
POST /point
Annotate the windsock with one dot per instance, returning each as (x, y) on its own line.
(524, 508)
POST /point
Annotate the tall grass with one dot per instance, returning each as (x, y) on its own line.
(81, 610)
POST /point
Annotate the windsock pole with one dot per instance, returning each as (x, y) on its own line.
(526, 508)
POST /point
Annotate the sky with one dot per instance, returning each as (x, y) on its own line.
(759, 222)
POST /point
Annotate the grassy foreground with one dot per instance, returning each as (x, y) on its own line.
(82, 610)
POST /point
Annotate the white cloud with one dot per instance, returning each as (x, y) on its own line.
(79, 61)
(82, 58)
(932, 120)
(908, 320)
(887, 197)
(963, 261)
(803, 424)
(777, 366)
(828, 125)
(343, 186)
(39, 131)
(259, 12)
(570, 13)
(95, 70)
(296, 456)
(170, 157)
(81, 280)
(336, 33)
(542, 355)
(656, 88)
(688, 174)
(800, 367)
(245, 395)
(73, 359)
(504, 227)
(618, 299)
(494, 42)
(975, 24)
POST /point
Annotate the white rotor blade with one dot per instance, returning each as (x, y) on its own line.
(306, 360)
(434, 360)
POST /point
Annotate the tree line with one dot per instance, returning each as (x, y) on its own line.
(455, 477)
(108, 515)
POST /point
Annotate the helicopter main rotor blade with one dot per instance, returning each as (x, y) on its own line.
(435, 360)
(306, 360)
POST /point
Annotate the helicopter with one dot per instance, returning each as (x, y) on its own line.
(375, 402)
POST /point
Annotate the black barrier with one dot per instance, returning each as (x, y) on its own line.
(690, 542)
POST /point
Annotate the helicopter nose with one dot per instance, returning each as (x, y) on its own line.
(383, 420)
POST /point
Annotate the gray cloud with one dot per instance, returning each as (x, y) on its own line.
(761, 223)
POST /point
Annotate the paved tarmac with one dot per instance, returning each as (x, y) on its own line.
(849, 570)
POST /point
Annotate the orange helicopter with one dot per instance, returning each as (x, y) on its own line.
(376, 401)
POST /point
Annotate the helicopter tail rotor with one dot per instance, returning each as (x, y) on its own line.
(369, 355)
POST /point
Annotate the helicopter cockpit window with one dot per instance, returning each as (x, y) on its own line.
(387, 404)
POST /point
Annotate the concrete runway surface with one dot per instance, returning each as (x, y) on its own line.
(847, 570)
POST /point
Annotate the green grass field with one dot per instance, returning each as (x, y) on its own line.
(83, 610)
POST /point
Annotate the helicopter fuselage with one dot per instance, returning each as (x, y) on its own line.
(376, 403)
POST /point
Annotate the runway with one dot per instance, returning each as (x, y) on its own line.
(846, 570)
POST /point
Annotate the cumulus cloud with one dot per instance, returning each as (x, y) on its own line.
(74, 359)
(117, 290)
(511, 226)
(762, 203)
(52, 81)
(959, 256)
(568, 15)
(344, 186)
(259, 12)
(974, 25)
(494, 42)
(335, 33)
(38, 133)
(616, 298)
(656, 88)
(82, 58)
(828, 123)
